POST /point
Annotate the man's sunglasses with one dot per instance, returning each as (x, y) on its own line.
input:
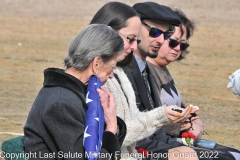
(174, 43)
(130, 40)
(155, 32)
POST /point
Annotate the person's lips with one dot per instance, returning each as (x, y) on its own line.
(174, 54)
(127, 53)
(155, 48)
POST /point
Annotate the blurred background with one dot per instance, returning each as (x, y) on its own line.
(34, 35)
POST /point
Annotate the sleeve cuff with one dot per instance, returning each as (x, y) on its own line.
(111, 144)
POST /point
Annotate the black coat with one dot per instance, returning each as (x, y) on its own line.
(56, 122)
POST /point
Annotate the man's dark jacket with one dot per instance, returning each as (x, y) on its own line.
(159, 141)
(135, 77)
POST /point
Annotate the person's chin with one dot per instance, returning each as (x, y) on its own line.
(126, 54)
(153, 55)
(170, 60)
(122, 58)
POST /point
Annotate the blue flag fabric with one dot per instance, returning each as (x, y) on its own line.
(94, 125)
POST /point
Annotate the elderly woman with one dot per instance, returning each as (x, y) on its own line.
(55, 124)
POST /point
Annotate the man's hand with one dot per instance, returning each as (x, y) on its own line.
(234, 82)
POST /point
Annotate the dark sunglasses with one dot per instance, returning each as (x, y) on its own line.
(174, 43)
(155, 32)
(130, 40)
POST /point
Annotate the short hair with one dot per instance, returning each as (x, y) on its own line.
(189, 25)
(114, 14)
(93, 41)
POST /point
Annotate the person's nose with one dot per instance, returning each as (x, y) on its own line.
(160, 39)
(178, 48)
(133, 46)
(111, 75)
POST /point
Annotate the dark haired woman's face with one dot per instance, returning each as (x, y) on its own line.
(131, 31)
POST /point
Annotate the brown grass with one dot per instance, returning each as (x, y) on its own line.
(44, 30)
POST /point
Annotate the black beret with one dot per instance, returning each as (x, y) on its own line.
(157, 13)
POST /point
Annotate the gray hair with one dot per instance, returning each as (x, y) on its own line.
(95, 40)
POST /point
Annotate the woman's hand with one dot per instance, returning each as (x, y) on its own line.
(197, 128)
(109, 108)
(176, 117)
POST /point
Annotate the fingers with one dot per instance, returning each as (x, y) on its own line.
(104, 89)
(177, 117)
(185, 126)
(231, 78)
(106, 99)
(179, 114)
(230, 83)
(109, 108)
(186, 112)
(102, 92)
(103, 98)
(195, 118)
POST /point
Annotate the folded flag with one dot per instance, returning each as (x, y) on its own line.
(94, 125)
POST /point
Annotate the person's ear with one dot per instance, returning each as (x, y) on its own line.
(96, 63)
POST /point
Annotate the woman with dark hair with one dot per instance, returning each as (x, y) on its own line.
(126, 22)
(123, 19)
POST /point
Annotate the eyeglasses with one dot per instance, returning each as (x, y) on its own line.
(174, 43)
(130, 40)
(155, 32)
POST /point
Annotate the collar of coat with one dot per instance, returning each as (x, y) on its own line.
(54, 77)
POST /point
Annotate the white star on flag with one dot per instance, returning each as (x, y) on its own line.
(86, 134)
(87, 99)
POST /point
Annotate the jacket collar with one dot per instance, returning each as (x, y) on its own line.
(141, 63)
(54, 77)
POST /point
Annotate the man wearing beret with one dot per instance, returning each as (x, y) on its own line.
(158, 24)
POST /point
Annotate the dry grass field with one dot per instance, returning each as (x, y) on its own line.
(34, 35)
